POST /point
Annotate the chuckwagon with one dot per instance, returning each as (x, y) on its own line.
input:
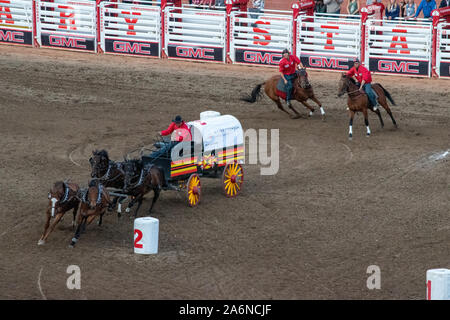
(215, 151)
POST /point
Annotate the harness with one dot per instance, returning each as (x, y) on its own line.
(141, 177)
(99, 195)
(106, 177)
(84, 194)
(66, 193)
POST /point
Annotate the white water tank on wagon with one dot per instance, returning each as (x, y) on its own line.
(217, 131)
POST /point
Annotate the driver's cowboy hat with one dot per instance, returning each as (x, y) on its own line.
(177, 119)
(285, 51)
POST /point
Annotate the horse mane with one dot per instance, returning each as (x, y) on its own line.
(102, 153)
(352, 80)
(136, 162)
(58, 185)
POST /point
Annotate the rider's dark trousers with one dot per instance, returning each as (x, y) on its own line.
(370, 93)
(290, 84)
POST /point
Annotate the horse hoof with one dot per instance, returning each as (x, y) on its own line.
(41, 242)
(310, 114)
(367, 135)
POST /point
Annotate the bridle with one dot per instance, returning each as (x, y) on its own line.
(302, 73)
(348, 81)
(65, 198)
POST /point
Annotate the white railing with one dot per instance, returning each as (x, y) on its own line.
(226, 34)
(399, 47)
(67, 24)
(16, 22)
(195, 34)
(328, 41)
(443, 52)
(133, 29)
(259, 38)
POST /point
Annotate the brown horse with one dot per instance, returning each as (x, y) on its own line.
(358, 101)
(148, 178)
(94, 202)
(302, 91)
(62, 197)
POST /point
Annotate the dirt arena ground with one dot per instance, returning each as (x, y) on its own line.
(310, 232)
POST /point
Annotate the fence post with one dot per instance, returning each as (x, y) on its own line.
(163, 29)
(364, 16)
(35, 43)
(229, 7)
(99, 26)
(437, 15)
(295, 12)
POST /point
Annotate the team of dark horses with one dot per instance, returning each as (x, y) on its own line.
(131, 177)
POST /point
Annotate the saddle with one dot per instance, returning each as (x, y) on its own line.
(281, 88)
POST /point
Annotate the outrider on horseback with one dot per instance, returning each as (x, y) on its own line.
(362, 95)
(291, 83)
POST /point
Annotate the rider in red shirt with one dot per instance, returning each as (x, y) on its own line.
(179, 130)
(364, 77)
(287, 67)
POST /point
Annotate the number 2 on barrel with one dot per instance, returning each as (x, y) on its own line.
(138, 238)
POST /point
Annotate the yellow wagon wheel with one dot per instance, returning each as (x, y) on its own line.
(232, 179)
(194, 190)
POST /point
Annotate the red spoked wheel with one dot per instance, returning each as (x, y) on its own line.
(232, 179)
(194, 190)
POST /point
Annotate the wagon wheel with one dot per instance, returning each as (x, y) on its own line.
(194, 190)
(232, 179)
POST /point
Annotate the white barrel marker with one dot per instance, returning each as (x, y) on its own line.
(438, 284)
(146, 234)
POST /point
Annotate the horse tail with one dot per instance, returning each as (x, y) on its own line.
(387, 94)
(255, 95)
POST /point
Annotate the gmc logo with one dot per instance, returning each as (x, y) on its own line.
(126, 47)
(189, 52)
(11, 36)
(61, 41)
(393, 66)
(258, 57)
(330, 63)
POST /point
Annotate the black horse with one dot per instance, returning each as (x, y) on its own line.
(108, 172)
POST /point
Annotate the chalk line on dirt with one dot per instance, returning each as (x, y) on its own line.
(350, 151)
(71, 159)
(39, 284)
